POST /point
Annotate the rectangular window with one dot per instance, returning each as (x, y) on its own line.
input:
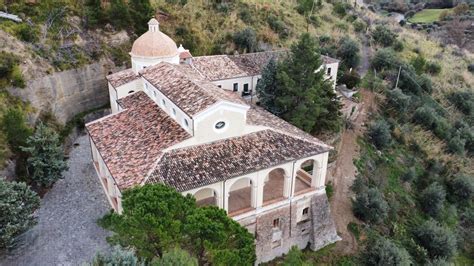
(305, 211)
(236, 86)
(329, 71)
(246, 87)
(276, 223)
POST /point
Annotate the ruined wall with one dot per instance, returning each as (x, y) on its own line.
(69, 92)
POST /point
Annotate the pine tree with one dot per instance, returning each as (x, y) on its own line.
(15, 127)
(141, 12)
(302, 95)
(267, 86)
(46, 160)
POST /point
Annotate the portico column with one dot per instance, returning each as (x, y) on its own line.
(219, 200)
(316, 177)
(254, 194)
(287, 185)
(226, 201)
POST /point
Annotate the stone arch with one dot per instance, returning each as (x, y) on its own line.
(274, 187)
(206, 197)
(240, 195)
(307, 175)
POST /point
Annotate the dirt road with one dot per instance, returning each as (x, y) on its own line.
(343, 175)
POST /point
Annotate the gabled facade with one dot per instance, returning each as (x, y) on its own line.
(184, 123)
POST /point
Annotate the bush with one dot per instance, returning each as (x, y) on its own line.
(442, 129)
(383, 36)
(359, 25)
(118, 256)
(27, 33)
(456, 145)
(398, 46)
(382, 251)
(17, 204)
(278, 26)
(440, 242)
(462, 189)
(246, 40)
(432, 199)
(245, 16)
(379, 134)
(433, 68)
(340, 9)
(419, 63)
(46, 157)
(14, 125)
(294, 257)
(425, 116)
(370, 206)
(350, 78)
(464, 101)
(425, 83)
(409, 175)
(175, 257)
(384, 59)
(348, 51)
(398, 100)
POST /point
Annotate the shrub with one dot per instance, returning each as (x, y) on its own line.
(432, 199)
(359, 25)
(17, 204)
(456, 145)
(464, 101)
(440, 242)
(348, 51)
(383, 36)
(294, 257)
(118, 256)
(433, 68)
(379, 134)
(384, 59)
(278, 26)
(350, 78)
(27, 33)
(462, 189)
(397, 99)
(46, 158)
(398, 46)
(14, 125)
(409, 175)
(418, 63)
(175, 257)
(442, 128)
(246, 40)
(425, 83)
(370, 206)
(382, 251)
(340, 9)
(245, 16)
(425, 116)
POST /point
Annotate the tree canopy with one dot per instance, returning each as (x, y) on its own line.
(157, 219)
(297, 90)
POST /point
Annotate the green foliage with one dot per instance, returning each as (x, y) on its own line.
(432, 199)
(305, 98)
(354, 229)
(384, 59)
(17, 204)
(456, 144)
(267, 87)
(141, 11)
(46, 158)
(93, 13)
(329, 189)
(383, 36)
(246, 40)
(348, 51)
(379, 134)
(278, 26)
(425, 116)
(398, 46)
(462, 189)
(382, 251)
(398, 100)
(340, 9)
(119, 14)
(13, 123)
(433, 68)
(119, 256)
(419, 63)
(294, 257)
(359, 25)
(157, 218)
(409, 175)
(463, 100)
(439, 241)
(27, 33)
(350, 78)
(10, 73)
(175, 257)
(370, 206)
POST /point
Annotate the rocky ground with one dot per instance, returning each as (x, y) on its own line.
(67, 232)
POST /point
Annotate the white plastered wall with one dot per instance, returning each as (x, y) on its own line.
(122, 91)
(139, 63)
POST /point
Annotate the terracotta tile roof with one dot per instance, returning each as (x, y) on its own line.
(218, 67)
(257, 116)
(187, 88)
(131, 141)
(122, 77)
(196, 166)
(185, 54)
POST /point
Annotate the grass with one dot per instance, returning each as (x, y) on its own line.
(427, 16)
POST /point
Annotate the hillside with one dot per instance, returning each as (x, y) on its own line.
(418, 139)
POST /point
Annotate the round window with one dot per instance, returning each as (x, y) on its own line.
(220, 124)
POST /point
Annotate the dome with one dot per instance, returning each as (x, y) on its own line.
(154, 43)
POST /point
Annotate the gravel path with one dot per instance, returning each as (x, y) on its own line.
(67, 233)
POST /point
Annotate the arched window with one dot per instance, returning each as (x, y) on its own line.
(132, 91)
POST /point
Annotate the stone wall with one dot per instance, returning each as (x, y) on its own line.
(69, 92)
(317, 230)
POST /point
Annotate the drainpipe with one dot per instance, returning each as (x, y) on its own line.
(291, 193)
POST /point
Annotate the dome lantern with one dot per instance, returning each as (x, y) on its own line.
(153, 25)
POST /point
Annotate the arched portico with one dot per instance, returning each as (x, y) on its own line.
(241, 196)
(274, 186)
(307, 176)
(206, 197)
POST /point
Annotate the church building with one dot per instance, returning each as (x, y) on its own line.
(191, 123)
